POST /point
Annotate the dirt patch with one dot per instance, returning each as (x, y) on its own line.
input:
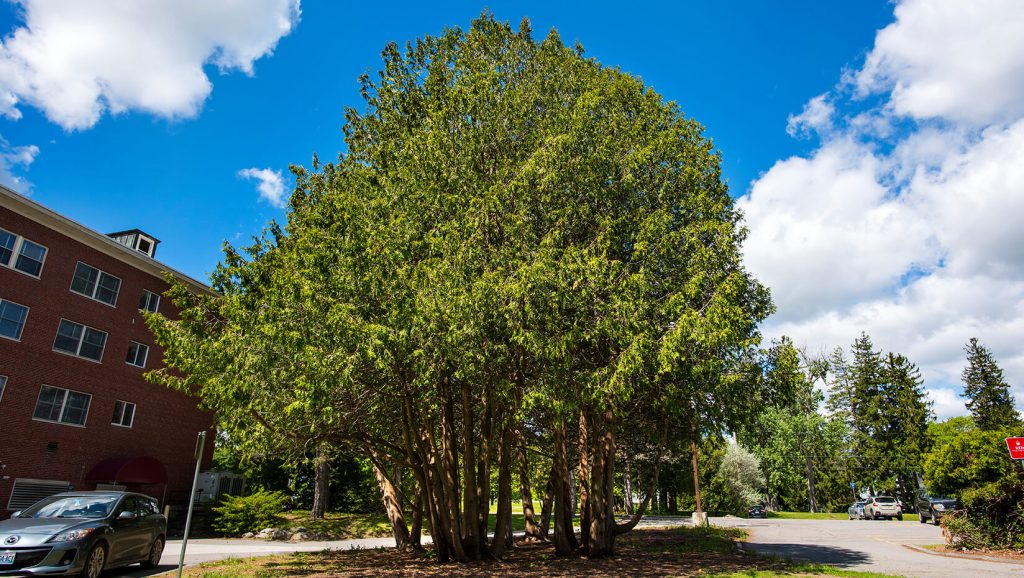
(649, 552)
(1010, 555)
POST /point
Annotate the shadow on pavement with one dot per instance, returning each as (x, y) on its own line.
(135, 571)
(812, 553)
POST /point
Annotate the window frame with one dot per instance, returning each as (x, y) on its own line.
(145, 357)
(148, 296)
(17, 248)
(24, 322)
(63, 406)
(3, 386)
(124, 405)
(81, 340)
(96, 284)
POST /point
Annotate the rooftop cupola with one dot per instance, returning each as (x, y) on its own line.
(137, 240)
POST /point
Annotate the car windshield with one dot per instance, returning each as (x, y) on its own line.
(71, 507)
(885, 500)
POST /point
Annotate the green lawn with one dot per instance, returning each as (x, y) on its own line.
(335, 526)
(825, 516)
(803, 569)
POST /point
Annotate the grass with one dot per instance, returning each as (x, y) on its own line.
(334, 526)
(680, 551)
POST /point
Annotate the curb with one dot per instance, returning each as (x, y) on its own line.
(964, 556)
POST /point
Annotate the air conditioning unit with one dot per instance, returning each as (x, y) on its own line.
(214, 485)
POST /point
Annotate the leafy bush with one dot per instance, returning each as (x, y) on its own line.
(968, 461)
(240, 514)
(993, 516)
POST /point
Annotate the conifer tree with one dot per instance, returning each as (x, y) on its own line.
(988, 396)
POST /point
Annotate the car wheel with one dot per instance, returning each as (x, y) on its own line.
(899, 517)
(94, 562)
(921, 517)
(935, 519)
(155, 551)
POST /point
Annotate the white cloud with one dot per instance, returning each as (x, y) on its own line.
(14, 160)
(270, 185)
(950, 59)
(903, 223)
(75, 60)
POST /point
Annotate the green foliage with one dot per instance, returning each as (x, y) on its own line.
(993, 515)
(988, 395)
(970, 460)
(740, 474)
(236, 515)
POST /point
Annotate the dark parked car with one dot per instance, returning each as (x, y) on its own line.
(757, 512)
(856, 511)
(81, 534)
(933, 507)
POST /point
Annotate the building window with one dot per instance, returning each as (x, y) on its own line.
(96, 284)
(12, 319)
(61, 405)
(149, 301)
(80, 340)
(137, 354)
(124, 414)
(3, 384)
(29, 256)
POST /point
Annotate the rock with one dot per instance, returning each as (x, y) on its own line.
(300, 537)
(298, 529)
(248, 535)
(280, 535)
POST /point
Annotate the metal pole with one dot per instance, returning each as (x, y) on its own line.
(192, 499)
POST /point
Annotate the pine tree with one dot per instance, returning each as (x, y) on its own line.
(906, 412)
(988, 396)
(866, 411)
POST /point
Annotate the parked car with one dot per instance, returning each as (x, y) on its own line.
(81, 534)
(757, 512)
(883, 507)
(856, 511)
(933, 507)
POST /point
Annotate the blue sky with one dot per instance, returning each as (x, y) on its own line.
(874, 146)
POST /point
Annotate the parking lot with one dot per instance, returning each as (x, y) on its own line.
(866, 545)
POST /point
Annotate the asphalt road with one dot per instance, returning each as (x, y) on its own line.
(865, 545)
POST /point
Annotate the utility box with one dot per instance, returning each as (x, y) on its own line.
(214, 485)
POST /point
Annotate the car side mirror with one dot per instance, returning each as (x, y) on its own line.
(126, 515)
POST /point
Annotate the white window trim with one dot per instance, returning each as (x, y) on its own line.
(3, 386)
(120, 284)
(58, 422)
(27, 311)
(145, 357)
(80, 341)
(154, 294)
(135, 409)
(16, 250)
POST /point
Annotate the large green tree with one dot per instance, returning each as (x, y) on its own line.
(519, 245)
(988, 395)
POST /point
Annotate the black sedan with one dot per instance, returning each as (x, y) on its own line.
(81, 534)
(757, 512)
(933, 506)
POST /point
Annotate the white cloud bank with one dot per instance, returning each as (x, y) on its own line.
(15, 159)
(905, 221)
(270, 184)
(74, 60)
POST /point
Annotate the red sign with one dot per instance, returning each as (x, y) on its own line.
(1016, 447)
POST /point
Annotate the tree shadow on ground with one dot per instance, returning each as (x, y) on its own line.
(832, 555)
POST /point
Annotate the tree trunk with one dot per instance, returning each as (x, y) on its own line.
(810, 484)
(503, 520)
(529, 517)
(565, 536)
(470, 499)
(600, 532)
(392, 506)
(584, 477)
(627, 484)
(416, 534)
(547, 506)
(696, 475)
(321, 484)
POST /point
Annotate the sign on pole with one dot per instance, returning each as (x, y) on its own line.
(1016, 447)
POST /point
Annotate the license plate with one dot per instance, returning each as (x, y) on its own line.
(7, 557)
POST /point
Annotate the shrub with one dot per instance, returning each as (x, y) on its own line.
(240, 514)
(992, 516)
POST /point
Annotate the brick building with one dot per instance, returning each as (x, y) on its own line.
(75, 410)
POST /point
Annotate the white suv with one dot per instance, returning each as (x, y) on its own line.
(883, 507)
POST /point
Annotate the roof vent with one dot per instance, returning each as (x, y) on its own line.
(137, 240)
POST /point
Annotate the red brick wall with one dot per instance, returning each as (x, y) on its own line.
(166, 422)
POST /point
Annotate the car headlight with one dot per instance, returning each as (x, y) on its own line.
(72, 535)
(940, 507)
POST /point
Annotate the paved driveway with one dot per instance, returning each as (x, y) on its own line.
(867, 545)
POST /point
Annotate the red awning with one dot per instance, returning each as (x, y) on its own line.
(141, 470)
